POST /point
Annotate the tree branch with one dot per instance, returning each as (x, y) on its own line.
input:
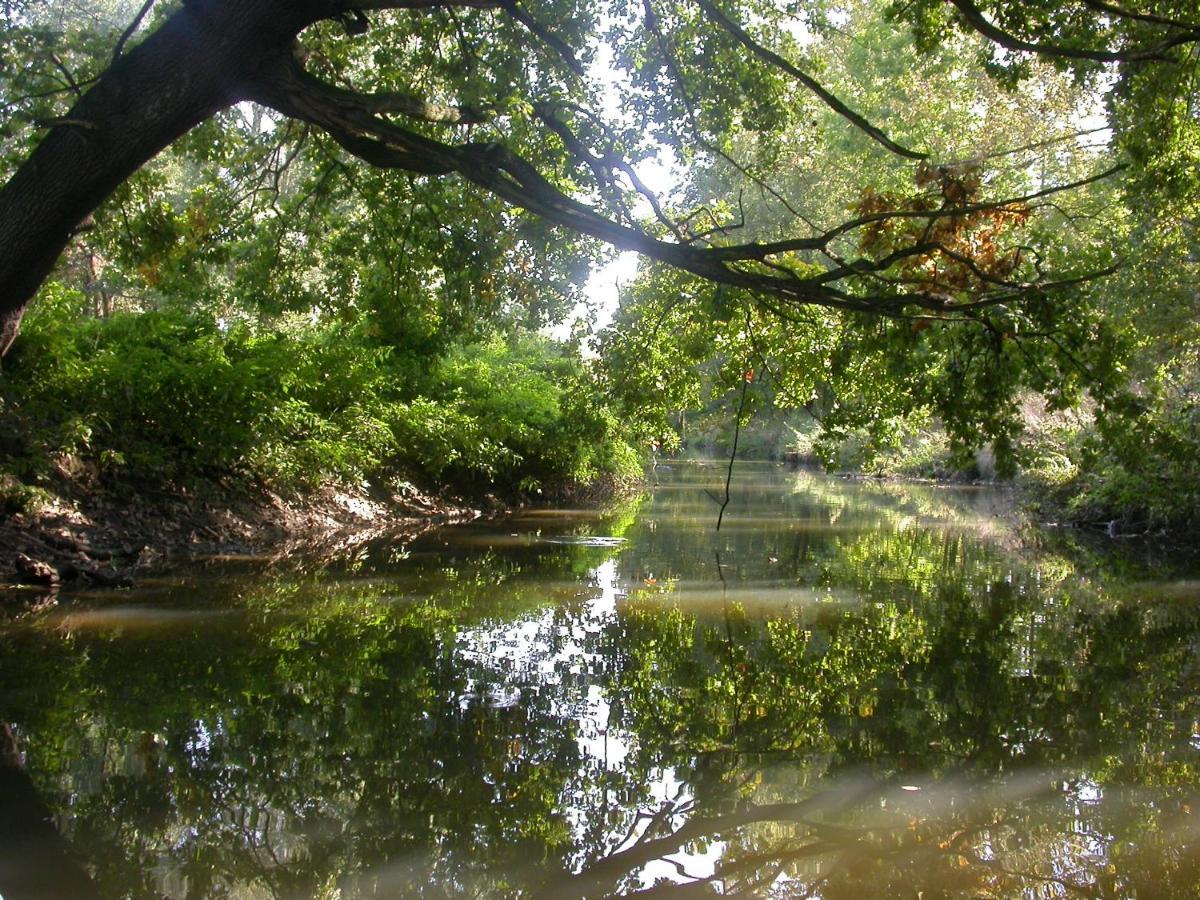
(549, 38)
(129, 32)
(974, 17)
(423, 110)
(759, 251)
(367, 5)
(604, 164)
(1114, 10)
(742, 37)
(349, 119)
(688, 106)
(737, 432)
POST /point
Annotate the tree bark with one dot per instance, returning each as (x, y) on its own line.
(198, 62)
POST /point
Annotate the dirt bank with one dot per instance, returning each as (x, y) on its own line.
(107, 538)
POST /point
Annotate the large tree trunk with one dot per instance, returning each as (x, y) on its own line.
(199, 61)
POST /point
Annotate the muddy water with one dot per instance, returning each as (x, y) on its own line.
(851, 690)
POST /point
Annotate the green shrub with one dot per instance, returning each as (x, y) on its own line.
(179, 395)
(1137, 464)
(520, 413)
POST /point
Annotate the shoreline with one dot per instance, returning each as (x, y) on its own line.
(89, 538)
(107, 539)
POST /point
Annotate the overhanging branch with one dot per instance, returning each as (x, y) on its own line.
(130, 30)
(546, 36)
(975, 17)
(369, 5)
(740, 35)
(421, 110)
(1120, 12)
(352, 121)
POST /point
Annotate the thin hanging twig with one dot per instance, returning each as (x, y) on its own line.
(737, 430)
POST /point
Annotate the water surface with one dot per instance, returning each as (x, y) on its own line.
(852, 690)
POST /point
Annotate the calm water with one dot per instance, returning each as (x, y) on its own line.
(852, 690)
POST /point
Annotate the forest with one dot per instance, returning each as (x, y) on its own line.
(936, 239)
(595, 448)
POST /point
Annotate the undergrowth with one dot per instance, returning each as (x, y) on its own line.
(179, 396)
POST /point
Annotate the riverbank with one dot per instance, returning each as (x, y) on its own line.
(170, 431)
(1059, 482)
(1031, 502)
(87, 534)
(107, 538)
(1033, 498)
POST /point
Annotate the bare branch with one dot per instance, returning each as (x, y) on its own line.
(129, 32)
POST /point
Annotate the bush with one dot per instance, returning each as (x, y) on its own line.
(520, 413)
(1137, 464)
(177, 395)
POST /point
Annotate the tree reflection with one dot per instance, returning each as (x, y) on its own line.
(542, 714)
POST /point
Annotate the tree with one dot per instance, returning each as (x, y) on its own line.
(855, 371)
(433, 76)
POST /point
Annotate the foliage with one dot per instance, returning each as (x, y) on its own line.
(1142, 59)
(879, 378)
(178, 395)
(912, 396)
(518, 412)
(881, 293)
(1135, 472)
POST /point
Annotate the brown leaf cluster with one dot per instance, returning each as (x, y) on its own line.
(965, 238)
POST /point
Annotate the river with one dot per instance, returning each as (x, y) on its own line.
(853, 689)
